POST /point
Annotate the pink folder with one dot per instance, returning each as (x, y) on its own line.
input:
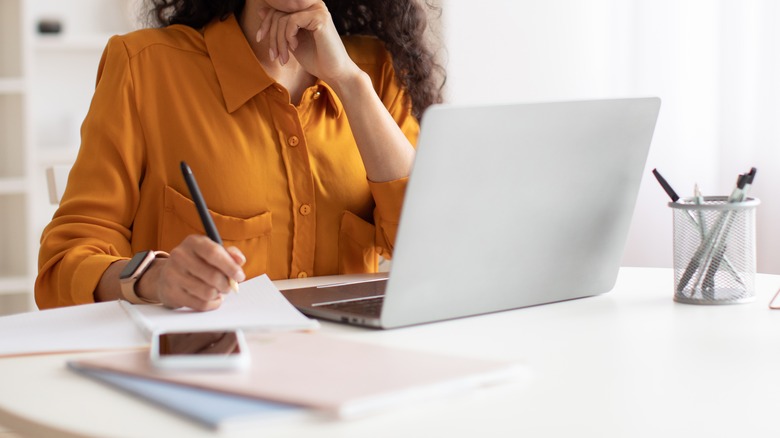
(341, 377)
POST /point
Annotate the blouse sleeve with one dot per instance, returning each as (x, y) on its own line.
(92, 226)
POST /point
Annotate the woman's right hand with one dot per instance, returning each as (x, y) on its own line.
(305, 30)
(196, 275)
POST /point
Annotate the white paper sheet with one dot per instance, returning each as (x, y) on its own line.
(111, 325)
(86, 327)
(258, 306)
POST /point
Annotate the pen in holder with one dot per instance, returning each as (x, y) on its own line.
(714, 250)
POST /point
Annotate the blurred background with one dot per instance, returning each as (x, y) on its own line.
(714, 63)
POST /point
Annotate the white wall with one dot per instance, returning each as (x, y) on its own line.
(708, 60)
(714, 63)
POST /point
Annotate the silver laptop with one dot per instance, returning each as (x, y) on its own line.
(507, 206)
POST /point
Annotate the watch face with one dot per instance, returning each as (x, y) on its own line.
(131, 266)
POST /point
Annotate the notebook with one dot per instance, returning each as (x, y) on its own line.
(507, 206)
(335, 377)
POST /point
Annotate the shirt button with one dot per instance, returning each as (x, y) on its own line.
(302, 274)
(293, 141)
(305, 209)
(316, 95)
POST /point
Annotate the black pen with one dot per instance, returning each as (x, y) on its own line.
(203, 211)
(693, 265)
(667, 188)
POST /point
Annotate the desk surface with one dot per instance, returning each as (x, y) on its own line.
(627, 363)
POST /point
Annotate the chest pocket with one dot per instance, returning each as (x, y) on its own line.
(251, 235)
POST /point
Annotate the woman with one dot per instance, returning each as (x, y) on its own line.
(301, 140)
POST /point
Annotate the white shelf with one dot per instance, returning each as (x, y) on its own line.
(14, 285)
(12, 186)
(46, 84)
(11, 85)
(59, 43)
(48, 155)
(19, 245)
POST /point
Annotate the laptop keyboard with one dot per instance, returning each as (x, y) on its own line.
(371, 307)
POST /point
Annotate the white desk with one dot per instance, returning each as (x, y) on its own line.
(628, 363)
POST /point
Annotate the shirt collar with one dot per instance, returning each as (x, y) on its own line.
(239, 73)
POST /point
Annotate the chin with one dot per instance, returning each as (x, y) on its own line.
(292, 5)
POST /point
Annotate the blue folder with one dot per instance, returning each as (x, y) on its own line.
(209, 408)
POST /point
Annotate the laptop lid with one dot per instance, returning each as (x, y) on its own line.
(507, 206)
(516, 205)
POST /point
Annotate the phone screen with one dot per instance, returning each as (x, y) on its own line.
(218, 343)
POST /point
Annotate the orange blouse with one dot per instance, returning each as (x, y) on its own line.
(284, 183)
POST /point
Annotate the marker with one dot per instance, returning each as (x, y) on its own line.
(699, 201)
(719, 243)
(738, 194)
(203, 211)
(748, 182)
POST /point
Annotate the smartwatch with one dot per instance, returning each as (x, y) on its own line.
(133, 272)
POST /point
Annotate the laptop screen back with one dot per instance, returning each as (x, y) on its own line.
(516, 205)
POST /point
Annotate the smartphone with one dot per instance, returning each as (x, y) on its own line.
(205, 350)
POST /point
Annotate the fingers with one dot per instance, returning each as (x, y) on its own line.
(281, 29)
(237, 255)
(182, 298)
(210, 263)
(291, 36)
(273, 48)
(266, 15)
(174, 291)
(283, 47)
(198, 272)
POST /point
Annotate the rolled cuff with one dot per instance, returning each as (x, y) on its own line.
(389, 198)
(87, 276)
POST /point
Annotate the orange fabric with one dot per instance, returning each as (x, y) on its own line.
(285, 184)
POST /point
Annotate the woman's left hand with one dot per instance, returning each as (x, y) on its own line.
(311, 37)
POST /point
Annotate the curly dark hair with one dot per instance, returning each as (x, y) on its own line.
(400, 24)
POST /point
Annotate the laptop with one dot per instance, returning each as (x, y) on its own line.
(507, 206)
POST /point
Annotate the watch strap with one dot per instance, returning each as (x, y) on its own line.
(127, 285)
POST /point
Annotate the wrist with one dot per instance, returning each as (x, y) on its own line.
(347, 82)
(146, 287)
(134, 272)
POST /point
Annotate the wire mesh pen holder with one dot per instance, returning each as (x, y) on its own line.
(714, 250)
